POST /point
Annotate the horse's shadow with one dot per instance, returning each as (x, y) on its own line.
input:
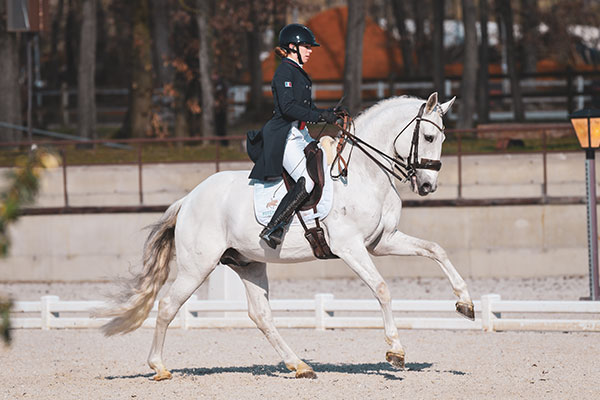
(280, 371)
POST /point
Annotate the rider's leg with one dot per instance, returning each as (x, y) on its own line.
(294, 162)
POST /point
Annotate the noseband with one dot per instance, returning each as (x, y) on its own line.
(407, 167)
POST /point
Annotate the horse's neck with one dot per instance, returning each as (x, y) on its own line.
(364, 174)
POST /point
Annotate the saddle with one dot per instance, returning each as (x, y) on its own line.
(315, 235)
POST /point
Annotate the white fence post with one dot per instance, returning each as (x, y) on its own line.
(380, 89)
(580, 87)
(321, 314)
(225, 284)
(487, 315)
(47, 316)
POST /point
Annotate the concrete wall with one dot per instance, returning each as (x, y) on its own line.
(481, 241)
(513, 241)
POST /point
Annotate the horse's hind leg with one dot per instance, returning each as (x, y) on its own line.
(255, 279)
(401, 244)
(184, 285)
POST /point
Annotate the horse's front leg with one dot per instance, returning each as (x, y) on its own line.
(356, 256)
(400, 244)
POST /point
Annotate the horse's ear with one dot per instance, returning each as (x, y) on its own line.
(446, 106)
(431, 102)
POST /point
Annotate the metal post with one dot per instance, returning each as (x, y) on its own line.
(29, 90)
(140, 184)
(459, 160)
(592, 222)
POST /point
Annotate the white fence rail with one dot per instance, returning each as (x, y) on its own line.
(326, 312)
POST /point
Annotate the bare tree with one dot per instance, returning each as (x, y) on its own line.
(10, 97)
(468, 85)
(71, 37)
(141, 88)
(204, 56)
(405, 44)
(483, 109)
(419, 12)
(355, 29)
(530, 21)
(506, 15)
(86, 89)
(52, 72)
(160, 35)
(254, 39)
(438, 48)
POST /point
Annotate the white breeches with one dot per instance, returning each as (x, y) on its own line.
(294, 160)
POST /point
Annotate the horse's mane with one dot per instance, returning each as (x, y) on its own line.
(386, 103)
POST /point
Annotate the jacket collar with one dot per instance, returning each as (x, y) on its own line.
(295, 64)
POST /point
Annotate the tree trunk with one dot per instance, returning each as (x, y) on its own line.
(162, 49)
(506, 14)
(530, 21)
(10, 92)
(468, 85)
(438, 48)
(86, 90)
(405, 45)
(355, 29)
(483, 108)
(423, 64)
(254, 38)
(55, 61)
(204, 54)
(140, 108)
(72, 33)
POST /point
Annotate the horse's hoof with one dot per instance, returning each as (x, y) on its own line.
(162, 375)
(396, 359)
(466, 309)
(309, 374)
(305, 371)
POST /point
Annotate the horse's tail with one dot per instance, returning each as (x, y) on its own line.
(138, 298)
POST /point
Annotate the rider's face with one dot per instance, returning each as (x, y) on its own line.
(305, 51)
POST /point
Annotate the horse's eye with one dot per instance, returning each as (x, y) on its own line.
(429, 138)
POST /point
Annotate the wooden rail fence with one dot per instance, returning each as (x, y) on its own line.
(326, 312)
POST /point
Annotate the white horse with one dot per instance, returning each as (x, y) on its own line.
(215, 223)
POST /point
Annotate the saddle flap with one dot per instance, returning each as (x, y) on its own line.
(314, 167)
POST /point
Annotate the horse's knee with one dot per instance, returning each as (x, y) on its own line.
(261, 319)
(434, 250)
(383, 293)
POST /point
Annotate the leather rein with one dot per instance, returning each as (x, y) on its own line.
(406, 167)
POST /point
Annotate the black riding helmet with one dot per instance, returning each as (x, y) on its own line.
(297, 34)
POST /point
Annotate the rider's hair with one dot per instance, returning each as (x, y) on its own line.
(281, 52)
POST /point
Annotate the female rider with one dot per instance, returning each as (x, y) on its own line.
(280, 144)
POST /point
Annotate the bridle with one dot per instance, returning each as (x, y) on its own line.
(406, 167)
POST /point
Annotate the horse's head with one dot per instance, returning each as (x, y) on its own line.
(421, 145)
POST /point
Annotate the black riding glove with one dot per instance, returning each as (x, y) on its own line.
(340, 111)
(327, 116)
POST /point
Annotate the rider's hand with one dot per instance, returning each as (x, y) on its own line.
(341, 111)
(328, 116)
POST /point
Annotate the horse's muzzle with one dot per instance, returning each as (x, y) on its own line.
(426, 188)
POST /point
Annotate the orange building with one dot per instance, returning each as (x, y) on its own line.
(381, 53)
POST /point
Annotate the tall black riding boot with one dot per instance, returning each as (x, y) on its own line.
(273, 232)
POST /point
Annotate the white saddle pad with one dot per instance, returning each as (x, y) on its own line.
(267, 196)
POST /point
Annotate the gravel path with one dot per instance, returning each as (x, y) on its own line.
(350, 364)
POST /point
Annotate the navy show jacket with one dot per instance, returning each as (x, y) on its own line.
(291, 87)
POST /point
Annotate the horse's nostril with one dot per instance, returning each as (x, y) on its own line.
(426, 186)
